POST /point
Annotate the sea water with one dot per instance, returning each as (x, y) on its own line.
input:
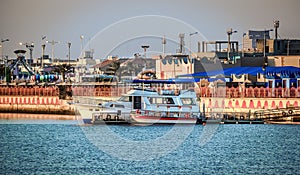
(65, 147)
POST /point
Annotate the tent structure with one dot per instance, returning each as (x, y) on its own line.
(289, 71)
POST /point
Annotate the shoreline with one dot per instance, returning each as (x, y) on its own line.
(35, 116)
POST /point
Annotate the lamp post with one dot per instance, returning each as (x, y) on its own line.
(29, 46)
(43, 53)
(145, 47)
(81, 42)
(190, 47)
(69, 55)
(52, 50)
(265, 40)
(229, 32)
(164, 42)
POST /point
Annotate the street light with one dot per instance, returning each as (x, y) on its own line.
(43, 53)
(81, 42)
(229, 32)
(29, 46)
(52, 43)
(69, 46)
(145, 47)
(191, 34)
(265, 40)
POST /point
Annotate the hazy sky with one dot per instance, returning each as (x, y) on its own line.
(116, 26)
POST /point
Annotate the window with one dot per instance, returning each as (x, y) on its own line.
(187, 101)
(158, 100)
(169, 101)
(126, 99)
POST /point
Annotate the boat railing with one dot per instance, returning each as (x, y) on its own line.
(159, 113)
(174, 106)
(118, 115)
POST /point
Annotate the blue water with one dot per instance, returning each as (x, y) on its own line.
(63, 147)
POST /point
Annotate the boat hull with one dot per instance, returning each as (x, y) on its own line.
(140, 119)
(91, 115)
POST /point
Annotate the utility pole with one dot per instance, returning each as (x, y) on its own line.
(190, 46)
(52, 50)
(229, 32)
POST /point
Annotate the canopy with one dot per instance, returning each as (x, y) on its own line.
(288, 70)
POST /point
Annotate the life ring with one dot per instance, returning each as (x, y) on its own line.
(138, 111)
(284, 114)
(146, 74)
(290, 111)
(108, 117)
(116, 118)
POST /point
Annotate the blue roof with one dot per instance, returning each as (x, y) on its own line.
(247, 70)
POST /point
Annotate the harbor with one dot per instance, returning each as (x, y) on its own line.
(149, 87)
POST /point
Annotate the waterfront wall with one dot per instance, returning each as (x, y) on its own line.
(245, 105)
(35, 104)
(25, 116)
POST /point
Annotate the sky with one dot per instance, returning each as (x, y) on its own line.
(111, 27)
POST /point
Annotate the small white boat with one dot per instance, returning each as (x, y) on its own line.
(147, 106)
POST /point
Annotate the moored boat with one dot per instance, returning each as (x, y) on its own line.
(154, 105)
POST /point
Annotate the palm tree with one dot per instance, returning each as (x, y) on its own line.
(2, 70)
(62, 69)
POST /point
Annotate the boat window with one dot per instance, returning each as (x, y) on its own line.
(126, 99)
(157, 100)
(187, 101)
(169, 101)
(150, 100)
(137, 102)
(119, 106)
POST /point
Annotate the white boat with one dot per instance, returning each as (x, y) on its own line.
(146, 106)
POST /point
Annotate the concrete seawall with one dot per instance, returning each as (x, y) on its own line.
(35, 105)
(245, 105)
(17, 116)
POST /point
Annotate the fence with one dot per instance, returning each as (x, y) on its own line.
(29, 91)
(111, 91)
(249, 92)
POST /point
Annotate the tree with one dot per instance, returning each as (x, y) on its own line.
(113, 68)
(2, 70)
(62, 69)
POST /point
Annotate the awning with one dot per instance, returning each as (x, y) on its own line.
(290, 71)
